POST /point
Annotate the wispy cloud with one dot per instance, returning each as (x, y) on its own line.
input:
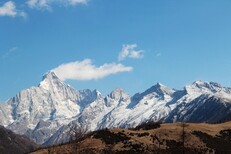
(38, 4)
(10, 52)
(75, 2)
(129, 50)
(9, 9)
(85, 70)
(47, 4)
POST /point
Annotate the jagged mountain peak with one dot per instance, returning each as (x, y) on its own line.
(200, 83)
(50, 76)
(160, 89)
(97, 92)
(158, 84)
(51, 80)
(118, 93)
(118, 90)
(204, 86)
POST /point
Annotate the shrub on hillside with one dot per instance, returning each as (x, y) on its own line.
(143, 134)
(110, 137)
(148, 125)
(225, 134)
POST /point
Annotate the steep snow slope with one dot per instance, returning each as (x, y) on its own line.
(202, 102)
(150, 104)
(43, 109)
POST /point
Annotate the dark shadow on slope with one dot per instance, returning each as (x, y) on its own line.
(221, 143)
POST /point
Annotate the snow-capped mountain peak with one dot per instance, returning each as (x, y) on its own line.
(97, 93)
(159, 89)
(204, 86)
(50, 80)
(50, 76)
(119, 94)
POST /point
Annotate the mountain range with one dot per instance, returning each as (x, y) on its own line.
(47, 112)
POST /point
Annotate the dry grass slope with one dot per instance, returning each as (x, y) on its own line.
(166, 138)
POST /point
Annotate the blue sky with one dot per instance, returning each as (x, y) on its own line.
(172, 42)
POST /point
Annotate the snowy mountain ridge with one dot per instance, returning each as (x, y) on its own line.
(46, 113)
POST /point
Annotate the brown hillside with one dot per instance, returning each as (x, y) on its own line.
(168, 138)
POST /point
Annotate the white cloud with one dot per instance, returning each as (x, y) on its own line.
(38, 3)
(128, 50)
(136, 54)
(9, 9)
(85, 70)
(46, 4)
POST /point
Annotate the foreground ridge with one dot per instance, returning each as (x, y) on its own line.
(153, 138)
(13, 143)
